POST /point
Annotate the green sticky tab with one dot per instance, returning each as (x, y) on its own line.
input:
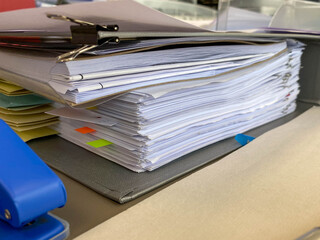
(99, 143)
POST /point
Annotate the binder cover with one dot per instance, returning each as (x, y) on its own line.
(123, 185)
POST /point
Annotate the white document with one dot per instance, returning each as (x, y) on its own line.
(82, 115)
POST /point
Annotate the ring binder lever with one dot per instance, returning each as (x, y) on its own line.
(85, 33)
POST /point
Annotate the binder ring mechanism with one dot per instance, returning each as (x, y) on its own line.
(85, 33)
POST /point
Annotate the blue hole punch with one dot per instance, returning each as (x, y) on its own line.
(28, 190)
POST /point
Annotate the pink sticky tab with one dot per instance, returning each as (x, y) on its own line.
(85, 130)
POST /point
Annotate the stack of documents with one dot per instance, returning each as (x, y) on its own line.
(165, 88)
(92, 79)
(149, 49)
(24, 112)
(147, 128)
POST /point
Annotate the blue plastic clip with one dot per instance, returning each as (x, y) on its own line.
(243, 139)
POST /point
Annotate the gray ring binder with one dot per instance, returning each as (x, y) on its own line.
(123, 185)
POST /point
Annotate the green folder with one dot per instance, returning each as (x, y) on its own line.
(22, 101)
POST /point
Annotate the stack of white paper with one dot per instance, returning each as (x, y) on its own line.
(167, 89)
(147, 128)
(154, 49)
(89, 79)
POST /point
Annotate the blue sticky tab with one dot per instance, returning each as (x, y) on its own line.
(243, 139)
(28, 187)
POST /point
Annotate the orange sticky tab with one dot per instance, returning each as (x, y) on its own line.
(85, 130)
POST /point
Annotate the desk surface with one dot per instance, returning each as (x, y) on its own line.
(268, 189)
(86, 209)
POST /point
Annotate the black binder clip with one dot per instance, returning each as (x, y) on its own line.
(85, 33)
